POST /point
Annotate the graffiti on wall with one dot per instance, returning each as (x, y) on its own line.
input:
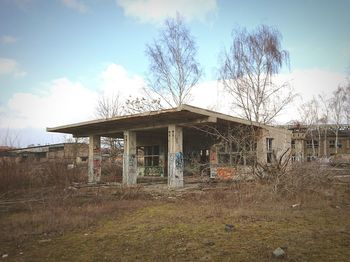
(132, 160)
(179, 160)
(226, 173)
(213, 157)
(96, 166)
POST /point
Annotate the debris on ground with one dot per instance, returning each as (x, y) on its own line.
(278, 253)
(44, 240)
(229, 227)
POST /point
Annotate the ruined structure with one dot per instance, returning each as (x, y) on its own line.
(319, 141)
(69, 152)
(165, 142)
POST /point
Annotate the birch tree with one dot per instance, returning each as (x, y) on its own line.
(324, 120)
(337, 108)
(173, 67)
(247, 72)
(309, 112)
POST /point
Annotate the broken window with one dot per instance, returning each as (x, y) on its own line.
(332, 144)
(293, 144)
(309, 143)
(148, 156)
(293, 158)
(237, 153)
(269, 150)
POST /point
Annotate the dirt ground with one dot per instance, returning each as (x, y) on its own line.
(152, 223)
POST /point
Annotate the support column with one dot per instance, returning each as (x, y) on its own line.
(94, 168)
(175, 157)
(213, 162)
(129, 159)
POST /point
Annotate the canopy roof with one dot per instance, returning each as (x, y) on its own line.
(182, 115)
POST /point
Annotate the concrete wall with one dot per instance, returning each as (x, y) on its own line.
(302, 151)
(281, 142)
(73, 153)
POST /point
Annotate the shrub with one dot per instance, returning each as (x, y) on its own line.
(16, 176)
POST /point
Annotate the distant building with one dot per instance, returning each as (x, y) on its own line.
(309, 143)
(70, 152)
(5, 148)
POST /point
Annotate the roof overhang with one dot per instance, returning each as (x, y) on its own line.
(114, 127)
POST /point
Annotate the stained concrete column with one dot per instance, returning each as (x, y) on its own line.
(175, 157)
(94, 168)
(129, 159)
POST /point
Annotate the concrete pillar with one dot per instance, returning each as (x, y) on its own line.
(129, 159)
(213, 162)
(175, 157)
(94, 168)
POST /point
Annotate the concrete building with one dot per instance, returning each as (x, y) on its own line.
(310, 143)
(70, 152)
(164, 142)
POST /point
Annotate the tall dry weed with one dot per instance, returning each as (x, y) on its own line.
(27, 175)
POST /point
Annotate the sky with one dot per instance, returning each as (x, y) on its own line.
(58, 56)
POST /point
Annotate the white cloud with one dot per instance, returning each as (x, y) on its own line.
(306, 83)
(76, 5)
(206, 95)
(116, 79)
(64, 101)
(311, 82)
(8, 39)
(10, 67)
(158, 10)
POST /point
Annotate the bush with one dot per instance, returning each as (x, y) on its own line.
(17, 176)
(305, 179)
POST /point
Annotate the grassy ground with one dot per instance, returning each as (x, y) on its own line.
(116, 224)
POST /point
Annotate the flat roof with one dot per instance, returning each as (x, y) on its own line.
(45, 146)
(184, 114)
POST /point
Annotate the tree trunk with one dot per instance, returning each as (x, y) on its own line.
(336, 140)
(325, 142)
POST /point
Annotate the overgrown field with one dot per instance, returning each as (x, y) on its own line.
(308, 217)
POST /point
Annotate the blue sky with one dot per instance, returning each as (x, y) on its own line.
(67, 52)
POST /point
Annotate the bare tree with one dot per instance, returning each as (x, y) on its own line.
(235, 144)
(310, 116)
(337, 107)
(78, 145)
(139, 105)
(10, 138)
(347, 105)
(108, 107)
(247, 72)
(324, 120)
(173, 68)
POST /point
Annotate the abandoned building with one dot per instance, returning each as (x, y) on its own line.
(169, 142)
(69, 152)
(314, 142)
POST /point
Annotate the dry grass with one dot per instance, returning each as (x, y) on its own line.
(111, 172)
(27, 175)
(51, 212)
(127, 224)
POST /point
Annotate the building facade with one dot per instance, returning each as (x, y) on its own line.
(324, 141)
(166, 142)
(69, 152)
